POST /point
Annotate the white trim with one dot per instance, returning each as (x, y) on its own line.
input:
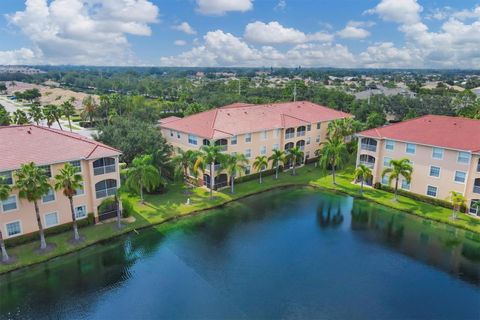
(464, 163)
(54, 197)
(436, 191)
(386, 143)
(83, 194)
(16, 235)
(439, 172)
(415, 148)
(443, 153)
(75, 212)
(455, 175)
(13, 210)
(45, 219)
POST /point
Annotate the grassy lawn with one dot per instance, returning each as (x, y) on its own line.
(160, 208)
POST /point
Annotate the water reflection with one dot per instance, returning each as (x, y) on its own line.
(329, 213)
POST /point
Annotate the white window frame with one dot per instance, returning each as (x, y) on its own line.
(388, 163)
(233, 140)
(414, 148)
(15, 235)
(276, 146)
(192, 137)
(54, 197)
(248, 137)
(11, 210)
(439, 172)
(319, 125)
(83, 190)
(436, 191)
(433, 153)
(465, 153)
(309, 127)
(263, 150)
(4, 174)
(308, 140)
(455, 177)
(86, 213)
(248, 169)
(402, 184)
(45, 219)
(248, 154)
(317, 140)
(79, 167)
(387, 142)
(384, 180)
(264, 135)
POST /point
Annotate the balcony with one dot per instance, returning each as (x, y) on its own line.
(289, 135)
(103, 166)
(300, 133)
(368, 164)
(369, 147)
(476, 189)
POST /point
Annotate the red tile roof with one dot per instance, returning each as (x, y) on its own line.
(240, 118)
(42, 145)
(442, 131)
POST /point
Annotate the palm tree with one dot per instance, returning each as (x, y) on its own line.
(53, 112)
(398, 168)
(208, 156)
(48, 116)
(458, 201)
(184, 160)
(36, 114)
(294, 154)
(362, 173)
(234, 165)
(260, 163)
(333, 154)
(69, 180)
(278, 157)
(143, 175)
(68, 110)
(89, 108)
(20, 117)
(4, 194)
(32, 184)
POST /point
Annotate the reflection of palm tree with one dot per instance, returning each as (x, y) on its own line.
(329, 214)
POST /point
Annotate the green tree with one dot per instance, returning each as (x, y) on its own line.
(235, 164)
(54, 112)
(4, 194)
(89, 108)
(375, 119)
(278, 158)
(183, 161)
(5, 119)
(68, 110)
(458, 201)
(398, 168)
(142, 174)
(209, 155)
(295, 155)
(333, 154)
(36, 114)
(260, 163)
(69, 180)
(20, 117)
(362, 173)
(32, 184)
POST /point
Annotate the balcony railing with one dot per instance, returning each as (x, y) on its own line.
(102, 170)
(289, 135)
(368, 164)
(223, 147)
(216, 168)
(300, 133)
(106, 192)
(369, 147)
(476, 189)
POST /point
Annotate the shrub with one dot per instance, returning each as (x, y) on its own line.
(256, 176)
(127, 208)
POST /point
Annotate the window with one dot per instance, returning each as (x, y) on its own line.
(308, 140)
(264, 135)
(386, 161)
(248, 153)
(474, 208)
(405, 185)
(385, 180)
(247, 170)
(9, 204)
(233, 140)
(263, 150)
(309, 127)
(105, 188)
(192, 139)
(80, 191)
(460, 176)
(317, 140)
(318, 125)
(7, 177)
(432, 191)
(171, 133)
(51, 219)
(47, 170)
(389, 145)
(179, 135)
(49, 197)
(80, 212)
(410, 148)
(463, 157)
(277, 133)
(248, 137)
(289, 133)
(13, 228)
(437, 153)
(103, 165)
(233, 154)
(434, 171)
(77, 164)
(276, 146)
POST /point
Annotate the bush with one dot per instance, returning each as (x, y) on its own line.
(34, 236)
(256, 176)
(419, 197)
(127, 208)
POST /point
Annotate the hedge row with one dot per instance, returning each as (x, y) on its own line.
(256, 176)
(418, 197)
(34, 236)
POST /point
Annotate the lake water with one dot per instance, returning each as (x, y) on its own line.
(298, 254)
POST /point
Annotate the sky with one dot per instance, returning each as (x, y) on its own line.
(228, 33)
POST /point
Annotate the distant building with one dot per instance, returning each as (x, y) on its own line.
(385, 91)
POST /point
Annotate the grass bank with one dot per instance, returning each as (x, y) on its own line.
(161, 208)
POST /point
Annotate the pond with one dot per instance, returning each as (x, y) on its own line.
(295, 253)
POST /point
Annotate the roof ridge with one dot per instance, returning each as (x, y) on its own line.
(295, 117)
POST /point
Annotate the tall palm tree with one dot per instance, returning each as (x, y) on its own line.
(51, 112)
(295, 154)
(89, 108)
(333, 154)
(458, 201)
(4, 194)
(143, 175)
(362, 173)
(234, 165)
(207, 157)
(398, 168)
(184, 160)
(278, 157)
(32, 184)
(69, 180)
(68, 110)
(20, 117)
(161, 158)
(260, 163)
(36, 114)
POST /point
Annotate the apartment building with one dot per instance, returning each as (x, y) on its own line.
(253, 130)
(444, 152)
(51, 149)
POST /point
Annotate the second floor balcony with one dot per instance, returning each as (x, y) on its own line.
(103, 166)
(368, 144)
(476, 186)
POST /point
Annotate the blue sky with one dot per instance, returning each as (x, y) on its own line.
(333, 33)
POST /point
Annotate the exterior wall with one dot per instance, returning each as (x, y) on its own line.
(422, 161)
(25, 212)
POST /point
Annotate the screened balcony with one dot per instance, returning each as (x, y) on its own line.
(367, 160)
(290, 133)
(369, 144)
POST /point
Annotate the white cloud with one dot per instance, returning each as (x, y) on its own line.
(468, 14)
(220, 7)
(401, 11)
(84, 32)
(281, 5)
(180, 42)
(185, 27)
(15, 57)
(353, 30)
(274, 33)
(385, 54)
